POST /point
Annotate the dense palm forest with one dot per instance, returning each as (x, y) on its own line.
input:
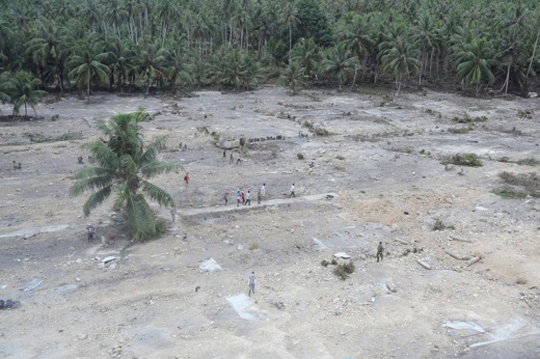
(180, 45)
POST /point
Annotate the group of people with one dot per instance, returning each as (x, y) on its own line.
(244, 197)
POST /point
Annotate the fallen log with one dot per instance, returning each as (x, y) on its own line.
(458, 257)
(423, 264)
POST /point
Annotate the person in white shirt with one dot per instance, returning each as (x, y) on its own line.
(292, 191)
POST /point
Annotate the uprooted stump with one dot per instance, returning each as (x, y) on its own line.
(343, 270)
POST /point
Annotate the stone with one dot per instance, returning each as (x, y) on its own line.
(240, 247)
(210, 265)
(33, 284)
(481, 209)
(108, 260)
(532, 95)
(391, 287)
(342, 255)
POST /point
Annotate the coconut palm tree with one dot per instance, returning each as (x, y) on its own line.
(21, 88)
(399, 57)
(476, 62)
(339, 62)
(307, 54)
(123, 166)
(88, 66)
(149, 62)
(293, 76)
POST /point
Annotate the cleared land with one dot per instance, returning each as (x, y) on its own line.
(382, 162)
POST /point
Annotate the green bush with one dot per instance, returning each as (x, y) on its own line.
(300, 156)
(463, 159)
(343, 270)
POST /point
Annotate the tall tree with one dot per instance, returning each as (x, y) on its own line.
(22, 90)
(124, 166)
(88, 65)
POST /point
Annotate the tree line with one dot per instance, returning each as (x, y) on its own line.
(180, 45)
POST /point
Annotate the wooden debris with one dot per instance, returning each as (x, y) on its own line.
(472, 261)
(456, 256)
(401, 241)
(453, 238)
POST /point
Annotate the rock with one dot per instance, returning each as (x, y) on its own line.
(240, 247)
(210, 265)
(423, 264)
(342, 255)
(532, 95)
(391, 287)
(480, 208)
(472, 261)
(33, 284)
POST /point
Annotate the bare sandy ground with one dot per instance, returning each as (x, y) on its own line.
(382, 165)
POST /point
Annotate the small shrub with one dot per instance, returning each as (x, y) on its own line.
(307, 124)
(340, 168)
(253, 246)
(333, 262)
(300, 156)
(440, 226)
(468, 119)
(463, 159)
(524, 114)
(460, 130)
(521, 280)
(343, 270)
(340, 157)
(529, 183)
(325, 263)
(530, 161)
(322, 132)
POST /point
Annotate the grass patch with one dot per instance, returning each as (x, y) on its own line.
(509, 193)
(307, 124)
(253, 246)
(300, 156)
(340, 168)
(460, 130)
(340, 157)
(519, 185)
(463, 159)
(440, 226)
(68, 136)
(343, 270)
(530, 161)
(468, 119)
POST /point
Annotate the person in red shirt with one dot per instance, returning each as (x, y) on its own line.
(243, 195)
(186, 178)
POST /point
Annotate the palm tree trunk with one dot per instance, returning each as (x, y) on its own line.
(290, 38)
(25, 110)
(88, 91)
(507, 78)
(534, 51)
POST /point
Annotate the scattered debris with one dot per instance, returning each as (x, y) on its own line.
(472, 261)
(342, 255)
(423, 264)
(210, 265)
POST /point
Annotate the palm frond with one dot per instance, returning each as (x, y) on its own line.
(140, 217)
(96, 199)
(153, 149)
(155, 168)
(158, 194)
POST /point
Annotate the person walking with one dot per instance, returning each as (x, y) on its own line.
(263, 191)
(292, 192)
(243, 196)
(186, 178)
(90, 232)
(238, 198)
(380, 250)
(251, 283)
(226, 197)
(248, 199)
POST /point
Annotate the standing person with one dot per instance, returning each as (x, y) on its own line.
(186, 178)
(231, 159)
(311, 167)
(292, 192)
(243, 195)
(263, 191)
(238, 198)
(238, 161)
(259, 196)
(380, 250)
(90, 232)
(251, 283)
(248, 199)
(226, 197)
(225, 154)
